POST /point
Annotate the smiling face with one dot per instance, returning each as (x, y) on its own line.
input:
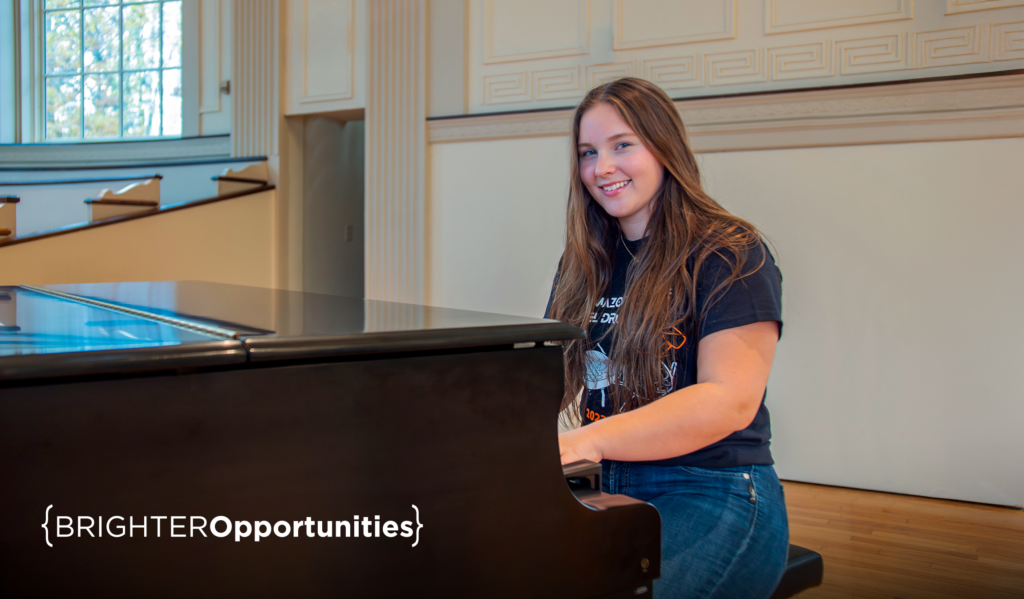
(617, 169)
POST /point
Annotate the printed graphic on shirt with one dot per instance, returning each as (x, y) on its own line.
(598, 402)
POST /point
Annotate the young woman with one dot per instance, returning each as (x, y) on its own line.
(682, 304)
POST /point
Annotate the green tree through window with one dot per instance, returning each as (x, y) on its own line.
(112, 69)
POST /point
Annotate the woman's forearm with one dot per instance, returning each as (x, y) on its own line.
(677, 424)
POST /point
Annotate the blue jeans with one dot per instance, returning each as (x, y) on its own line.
(724, 533)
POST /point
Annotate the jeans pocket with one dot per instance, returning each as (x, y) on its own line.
(741, 472)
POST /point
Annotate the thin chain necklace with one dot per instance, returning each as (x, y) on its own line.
(626, 246)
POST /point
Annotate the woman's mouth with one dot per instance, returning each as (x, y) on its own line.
(615, 189)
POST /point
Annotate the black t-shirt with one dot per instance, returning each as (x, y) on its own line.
(757, 297)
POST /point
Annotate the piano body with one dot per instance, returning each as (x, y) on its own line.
(171, 403)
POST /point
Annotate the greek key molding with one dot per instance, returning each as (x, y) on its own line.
(972, 108)
(603, 73)
(961, 45)
(676, 72)
(745, 66)
(873, 54)
(801, 61)
(1008, 41)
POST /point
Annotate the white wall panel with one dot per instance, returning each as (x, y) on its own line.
(954, 7)
(782, 16)
(326, 56)
(496, 223)
(897, 367)
(647, 23)
(529, 29)
(215, 54)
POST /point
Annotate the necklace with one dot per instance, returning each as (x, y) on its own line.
(626, 246)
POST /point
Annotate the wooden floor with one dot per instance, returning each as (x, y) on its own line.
(880, 545)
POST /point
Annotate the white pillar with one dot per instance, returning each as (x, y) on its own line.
(254, 80)
(396, 151)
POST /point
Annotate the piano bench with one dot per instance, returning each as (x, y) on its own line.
(804, 570)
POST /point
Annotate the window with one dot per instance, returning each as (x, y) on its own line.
(112, 69)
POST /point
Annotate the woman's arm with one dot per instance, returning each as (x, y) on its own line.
(732, 372)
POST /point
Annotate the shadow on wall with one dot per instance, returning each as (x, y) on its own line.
(333, 182)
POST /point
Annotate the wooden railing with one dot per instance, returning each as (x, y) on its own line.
(8, 216)
(79, 181)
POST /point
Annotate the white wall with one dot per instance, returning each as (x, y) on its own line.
(898, 367)
(231, 241)
(495, 223)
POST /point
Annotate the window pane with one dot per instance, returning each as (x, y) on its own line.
(141, 36)
(102, 110)
(63, 52)
(172, 34)
(63, 107)
(102, 50)
(142, 104)
(172, 102)
(98, 2)
(61, 3)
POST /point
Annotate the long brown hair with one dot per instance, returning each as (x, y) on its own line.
(685, 228)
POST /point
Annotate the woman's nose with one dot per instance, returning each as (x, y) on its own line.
(605, 166)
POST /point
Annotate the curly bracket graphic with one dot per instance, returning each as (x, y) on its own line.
(45, 522)
(419, 525)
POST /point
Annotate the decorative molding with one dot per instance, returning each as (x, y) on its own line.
(676, 72)
(955, 7)
(254, 114)
(963, 45)
(1008, 41)
(670, 27)
(396, 151)
(582, 28)
(117, 153)
(873, 54)
(972, 108)
(510, 87)
(812, 15)
(801, 62)
(603, 73)
(811, 42)
(556, 83)
(726, 68)
(326, 31)
(500, 126)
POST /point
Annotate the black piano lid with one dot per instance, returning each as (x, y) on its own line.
(44, 336)
(276, 324)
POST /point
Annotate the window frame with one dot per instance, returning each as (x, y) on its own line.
(25, 105)
(122, 73)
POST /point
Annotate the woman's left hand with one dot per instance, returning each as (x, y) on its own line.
(577, 445)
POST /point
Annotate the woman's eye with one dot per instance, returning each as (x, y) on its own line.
(621, 145)
(587, 153)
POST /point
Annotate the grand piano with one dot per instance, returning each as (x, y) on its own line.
(421, 439)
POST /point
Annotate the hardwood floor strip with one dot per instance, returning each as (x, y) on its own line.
(886, 546)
